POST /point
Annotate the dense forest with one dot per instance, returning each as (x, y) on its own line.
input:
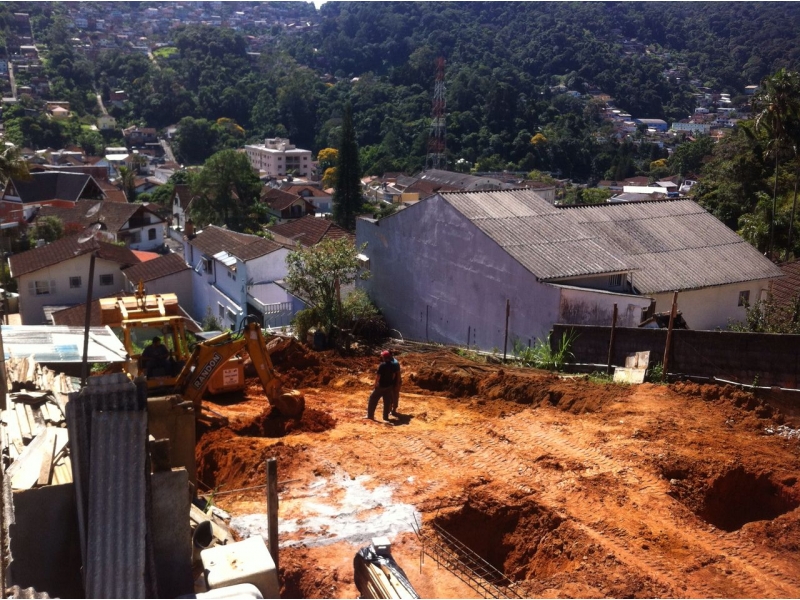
(503, 60)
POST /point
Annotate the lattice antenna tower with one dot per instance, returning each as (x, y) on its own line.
(436, 158)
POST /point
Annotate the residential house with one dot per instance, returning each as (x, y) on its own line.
(319, 198)
(235, 275)
(139, 136)
(56, 275)
(134, 224)
(181, 199)
(657, 124)
(168, 273)
(106, 123)
(308, 231)
(447, 268)
(22, 198)
(285, 206)
(277, 157)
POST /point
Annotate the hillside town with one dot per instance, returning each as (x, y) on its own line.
(583, 337)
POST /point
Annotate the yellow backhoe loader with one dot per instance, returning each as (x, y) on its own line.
(214, 365)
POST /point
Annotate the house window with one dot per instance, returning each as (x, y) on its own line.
(221, 311)
(42, 288)
(136, 237)
(231, 275)
(232, 317)
(744, 298)
(207, 265)
(151, 234)
(74, 282)
(615, 281)
(107, 279)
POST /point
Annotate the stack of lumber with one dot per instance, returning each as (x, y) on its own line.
(379, 576)
(34, 435)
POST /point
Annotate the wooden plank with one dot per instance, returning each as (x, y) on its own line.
(48, 458)
(14, 434)
(35, 419)
(24, 473)
(24, 426)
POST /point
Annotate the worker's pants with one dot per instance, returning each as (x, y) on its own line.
(387, 393)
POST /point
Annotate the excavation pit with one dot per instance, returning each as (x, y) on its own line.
(739, 497)
(517, 540)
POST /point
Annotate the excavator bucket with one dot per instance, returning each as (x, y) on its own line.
(290, 404)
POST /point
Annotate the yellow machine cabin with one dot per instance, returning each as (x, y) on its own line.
(141, 318)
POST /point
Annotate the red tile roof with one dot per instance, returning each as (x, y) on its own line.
(162, 266)
(113, 215)
(145, 256)
(184, 195)
(309, 189)
(67, 249)
(278, 199)
(785, 290)
(215, 239)
(310, 230)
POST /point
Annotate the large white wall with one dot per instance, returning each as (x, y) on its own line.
(31, 305)
(436, 276)
(712, 307)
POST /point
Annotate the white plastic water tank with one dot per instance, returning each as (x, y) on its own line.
(248, 561)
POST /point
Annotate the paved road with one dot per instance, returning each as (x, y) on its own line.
(167, 150)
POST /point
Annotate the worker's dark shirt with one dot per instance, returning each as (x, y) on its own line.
(155, 355)
(385, 374)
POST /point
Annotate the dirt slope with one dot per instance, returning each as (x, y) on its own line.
(571, 488)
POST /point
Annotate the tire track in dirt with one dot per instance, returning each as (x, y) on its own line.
(756, 573)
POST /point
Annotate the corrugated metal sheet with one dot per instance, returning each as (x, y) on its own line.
(544, 239)
(671, 245)
(51, 344)
(675, 245)
(116, 550)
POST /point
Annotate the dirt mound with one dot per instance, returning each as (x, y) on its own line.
(272, 425)
(302, 578)
(226, 461)
(729, 393)
(289, 353)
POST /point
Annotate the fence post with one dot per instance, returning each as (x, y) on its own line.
(505, 339)
(272, 509)
(668, 348)
(611, 341)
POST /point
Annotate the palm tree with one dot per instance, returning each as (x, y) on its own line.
(12, 165)
(777, 108)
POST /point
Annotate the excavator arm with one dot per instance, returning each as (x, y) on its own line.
(210, 356)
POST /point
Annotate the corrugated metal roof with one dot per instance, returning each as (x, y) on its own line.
(116, 554)
(544, 239)
(225, 258)
(675, 245)
(57, 343)
(671, 245)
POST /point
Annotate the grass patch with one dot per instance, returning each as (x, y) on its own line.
(165, 52)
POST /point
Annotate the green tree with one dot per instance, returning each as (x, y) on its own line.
(317, 275)
(12, 165)
(777, 108)
(48, 229)
(127, 177)
(347, 196)
(225, 189)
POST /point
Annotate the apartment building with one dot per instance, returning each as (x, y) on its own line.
(277, 157)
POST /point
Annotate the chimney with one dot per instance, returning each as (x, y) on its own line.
(189, 229)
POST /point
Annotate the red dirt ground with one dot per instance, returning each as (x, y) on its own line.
(571, 488)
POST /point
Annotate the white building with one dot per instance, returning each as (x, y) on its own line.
(235, 275)
(447, 268)
(56, 275)
(277, 157)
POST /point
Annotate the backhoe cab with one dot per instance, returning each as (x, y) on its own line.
(139, 318)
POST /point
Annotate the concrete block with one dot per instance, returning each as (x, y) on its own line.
(248, 561)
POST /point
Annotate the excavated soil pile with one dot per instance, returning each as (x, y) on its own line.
(271, 424)
(569, 487)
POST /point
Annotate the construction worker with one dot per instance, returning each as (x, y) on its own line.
(398, 381)
(384, 387)
(155, 359)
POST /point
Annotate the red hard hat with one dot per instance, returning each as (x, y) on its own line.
(385, 354)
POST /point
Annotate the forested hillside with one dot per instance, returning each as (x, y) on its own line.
(503, 61)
